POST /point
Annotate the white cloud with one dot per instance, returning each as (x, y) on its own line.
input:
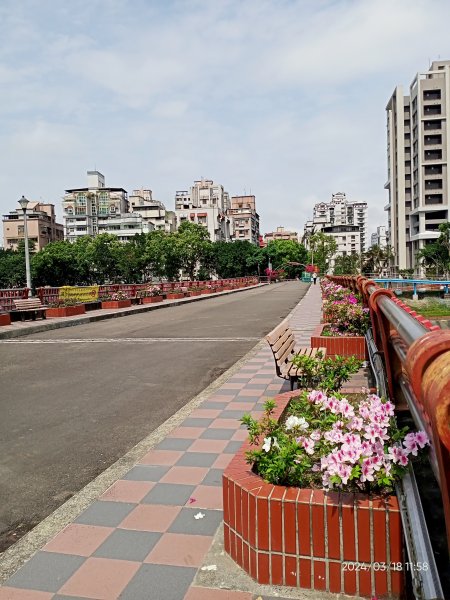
(285, 97)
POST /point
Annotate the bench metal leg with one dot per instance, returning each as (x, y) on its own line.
(292, 381)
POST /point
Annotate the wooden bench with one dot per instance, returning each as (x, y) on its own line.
(282, 343)
(31, 306)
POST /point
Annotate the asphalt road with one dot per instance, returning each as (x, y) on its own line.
(75, 400)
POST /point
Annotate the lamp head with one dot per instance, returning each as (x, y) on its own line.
(23, 203)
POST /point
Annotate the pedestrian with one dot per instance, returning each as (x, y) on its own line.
(314, 276)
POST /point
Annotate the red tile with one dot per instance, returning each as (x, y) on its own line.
(395, 537)
(379, 535)
(365, 586)
(232, 386)
(290, 528)
(364, 541)
(263, 568)
(239, 553)
(231, 504)
(81, 540)
(304, 529)
(9, 593)
(350, 582)
(222, 461)
(397, 583)
(127, 491)
(187, 433)
(206, 496)
(202, 593)
(205, 413)
(276, 561)
(320, 582)
(226, 538)
(252, 520)
(208, 446)
(238, 508)
(246, 557)
(381, 587)
(334, 546)
(240, 436)
(233, 552)
(186, 475)
(244, 504)
(334, 575)
(276, 525)
(305, 573)
(180, 550)
(318, 530)
(348, 532)
(225, 424)
(262, 522)
(150, 517)
(161, 457)
(100, 578)
(290, 571)
(253, 564)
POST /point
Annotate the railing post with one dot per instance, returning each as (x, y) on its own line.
(381, 329)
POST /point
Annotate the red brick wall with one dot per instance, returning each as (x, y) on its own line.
(342, 345)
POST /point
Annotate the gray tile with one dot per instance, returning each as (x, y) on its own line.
(146, 473)
(254, 398)
(232, 447)
(186, 523)
(256, 386)
(175, 494)
(218, 434)
(160, 582)
(59, 597)
(196, 459)
(174, 444)
(46, 571)
(214, 405)
(213, 477)
(232, 414)
(108, 514)
(196, 422)
(222, 392)
(125, 544)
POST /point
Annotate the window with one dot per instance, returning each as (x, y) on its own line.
(81, 199)
(432, 94)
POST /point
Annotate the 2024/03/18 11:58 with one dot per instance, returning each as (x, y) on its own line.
(381, 566)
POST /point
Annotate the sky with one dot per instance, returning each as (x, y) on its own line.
(284, 99)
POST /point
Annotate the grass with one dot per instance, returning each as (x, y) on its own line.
(430, 308)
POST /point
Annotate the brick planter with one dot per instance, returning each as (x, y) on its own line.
(174, 295)
(311, 539)
(196, 293)
(66, 311)
(5, 319)
(341, 345)
(204, 292)
(116, 303)
(152, 299)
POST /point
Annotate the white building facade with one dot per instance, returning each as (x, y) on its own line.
(206, 204)
(152, 211)
(244, 219)
(379, 237)
(418, 150)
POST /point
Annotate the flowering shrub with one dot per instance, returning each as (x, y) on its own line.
(331, 442)
(325, 373)
(152, 290)
(343, 310)
(117, 296)
(63, 303)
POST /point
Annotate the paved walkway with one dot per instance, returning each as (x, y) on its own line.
(151, 535)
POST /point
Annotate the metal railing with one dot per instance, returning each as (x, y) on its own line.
(413, 357)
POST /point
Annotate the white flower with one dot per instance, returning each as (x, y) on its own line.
(275, 443)
(199, 515)
(267, 444)
(299, 422)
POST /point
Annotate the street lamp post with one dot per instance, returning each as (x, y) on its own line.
(23, 205)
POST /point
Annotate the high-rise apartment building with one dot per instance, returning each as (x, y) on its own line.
(418, 148)
(344, 220)
(207, 204)
(42, 227)
(99, 209)
(379, 238)
(244, 219)
(153, 211)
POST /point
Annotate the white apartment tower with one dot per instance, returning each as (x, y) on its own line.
(207, 204)
(418, 148)
(344, 220)
(244, 219)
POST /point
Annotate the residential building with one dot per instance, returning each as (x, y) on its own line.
(153, 211)
(206, 204)
(42, 227)
(99, 209)
(340, 212)
(418, 149)
(379, 237)
(280, 234)
(244, 219)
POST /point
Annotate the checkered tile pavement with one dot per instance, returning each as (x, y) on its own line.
(143, 538)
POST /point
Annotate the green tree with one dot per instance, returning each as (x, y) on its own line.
(55, 265)
(233, 259)
(12, 268)
(284, 252)
(194, 244)
(322, 248)
(436, 256)
(377, 258)
(103, 254)
(347, 265)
